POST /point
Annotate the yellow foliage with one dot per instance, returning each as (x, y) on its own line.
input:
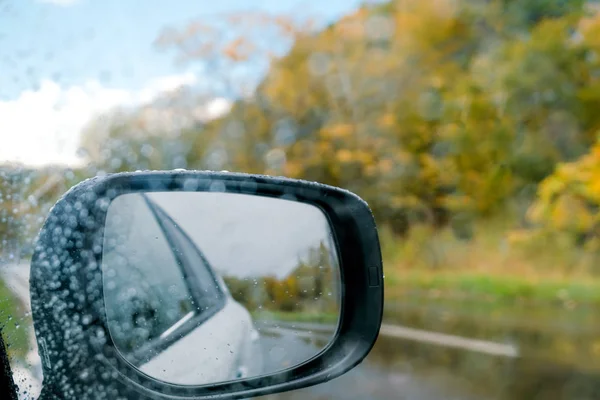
(589, 27)
(386, 165)
(344, 156)
(372, 170)
(293, 169)
(594, 190)
(457, 203)
(569, 200)
(339, 131)
(406, 201)
(364, 157)
(520, 236)
(323, 148)
(404, 157)
(387, 120)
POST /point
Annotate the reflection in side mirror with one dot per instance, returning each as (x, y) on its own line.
(204, 287)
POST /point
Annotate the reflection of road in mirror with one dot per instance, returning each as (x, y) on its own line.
(287, 344)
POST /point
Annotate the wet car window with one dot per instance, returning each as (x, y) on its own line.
(208, 293)
(145, 284)
(471, 128)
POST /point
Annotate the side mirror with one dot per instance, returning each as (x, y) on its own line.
(201, 285)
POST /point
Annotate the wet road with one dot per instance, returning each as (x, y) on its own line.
(406, 363)
(370, 382)
(290, 344)
(283, 348)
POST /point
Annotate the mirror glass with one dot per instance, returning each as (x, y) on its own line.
(207, 287)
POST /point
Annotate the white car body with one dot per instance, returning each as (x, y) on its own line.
(223, 348)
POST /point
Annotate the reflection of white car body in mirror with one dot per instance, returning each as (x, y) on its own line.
(192, 330)
(223, 348)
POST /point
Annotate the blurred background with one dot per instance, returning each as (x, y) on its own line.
(470, 127)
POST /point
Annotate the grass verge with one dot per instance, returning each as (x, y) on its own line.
(491, 289)
(306, 317)
(13, 329)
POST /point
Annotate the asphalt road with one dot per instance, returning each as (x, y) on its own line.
(370, 382)
(291, 346)
(282, 349)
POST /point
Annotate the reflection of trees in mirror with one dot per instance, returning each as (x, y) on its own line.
(309, 293)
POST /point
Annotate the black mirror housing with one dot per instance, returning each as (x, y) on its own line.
(78, 356)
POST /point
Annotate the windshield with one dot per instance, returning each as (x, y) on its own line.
(471, 128)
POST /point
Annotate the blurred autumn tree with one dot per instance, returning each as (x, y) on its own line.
(157, 135)
(568, 201)
(10, 197)
(438, 126)
(26, 195)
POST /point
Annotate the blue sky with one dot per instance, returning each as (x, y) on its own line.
(72, 41)
(64, 62)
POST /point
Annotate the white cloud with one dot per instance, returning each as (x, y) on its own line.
(62, 3)
(43, 126)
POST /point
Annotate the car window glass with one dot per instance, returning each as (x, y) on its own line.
(144, 280)
(208, 293)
